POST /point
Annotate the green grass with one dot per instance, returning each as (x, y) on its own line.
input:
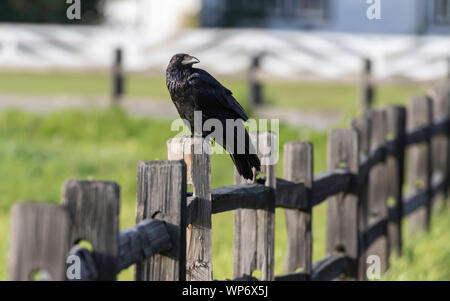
(426, 255)
(39, 153)
(335, 97)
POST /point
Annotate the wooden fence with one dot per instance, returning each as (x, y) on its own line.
(363, 188)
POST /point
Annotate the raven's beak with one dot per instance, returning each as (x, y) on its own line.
(189, 60)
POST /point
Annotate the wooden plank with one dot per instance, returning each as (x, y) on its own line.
(342, 212)
(440, 141)
(375, 231)
(418, 199)
(199, 240)
(143, 240)
(377, 198)
(291, 194)
(329, 183)
(288, 194)
(94, 213)
(298, 167)
(254, 230)
(39, 241)
(335, 266)
(419, 160)
(363, 125)
(300, 276)
(396, 126)
(415, 201)
(250, 196)
(417, 134)
(117, 77)
(147, 238)
(376, 156)
(195, 151)
(367, 90)
(161, 194)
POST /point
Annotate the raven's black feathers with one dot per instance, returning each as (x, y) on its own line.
(193, 89)
(207, 88)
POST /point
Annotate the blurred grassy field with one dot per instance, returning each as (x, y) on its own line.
(39, 153)
(306, 96)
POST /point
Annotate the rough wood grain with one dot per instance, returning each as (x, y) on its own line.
(440, 141)
(39, 241)
(161, 194)
(363, 125)
(291, 194)
(199, 242)
(298, 167)
(250, 196)
(288, 194)
(396, 126)
(343, 210)
(143, 240)
(94, 213)
(419, 160)
(329, 183)
(195, 151)
(254, 230)
(377, 200)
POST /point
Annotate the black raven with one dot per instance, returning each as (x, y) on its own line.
(193, 89)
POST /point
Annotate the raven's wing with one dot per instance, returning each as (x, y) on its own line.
(209, 92)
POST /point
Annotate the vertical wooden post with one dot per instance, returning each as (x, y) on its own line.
(440, 143)
(254, 229)
(94, 214)
(396, 125)
(195, 152)
(419, 160)
(117, 76)
(377, 205)
(161, 194)
(298, 167)
(363, 125)
(367, 90)
(343, 235)
(39, 241)
(255, 86)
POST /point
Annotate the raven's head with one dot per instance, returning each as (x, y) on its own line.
(182, 60)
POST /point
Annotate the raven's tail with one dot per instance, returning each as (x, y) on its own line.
(244, 164)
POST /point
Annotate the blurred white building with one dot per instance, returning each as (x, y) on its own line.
(155, 20)
(396, 16)
(327, 38)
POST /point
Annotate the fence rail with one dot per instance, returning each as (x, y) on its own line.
(172, 238)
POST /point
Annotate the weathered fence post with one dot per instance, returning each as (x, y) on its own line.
(161, 194)
(419, 160)
(39, 241)
(254, 229)
(254, 83)
(363, 125)
(367, 90)
(378, 195)
(117, 77)
(195, 152)
(396, 126)
(298, 167)
(94, 214)
(440, 143)
(343, 235)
